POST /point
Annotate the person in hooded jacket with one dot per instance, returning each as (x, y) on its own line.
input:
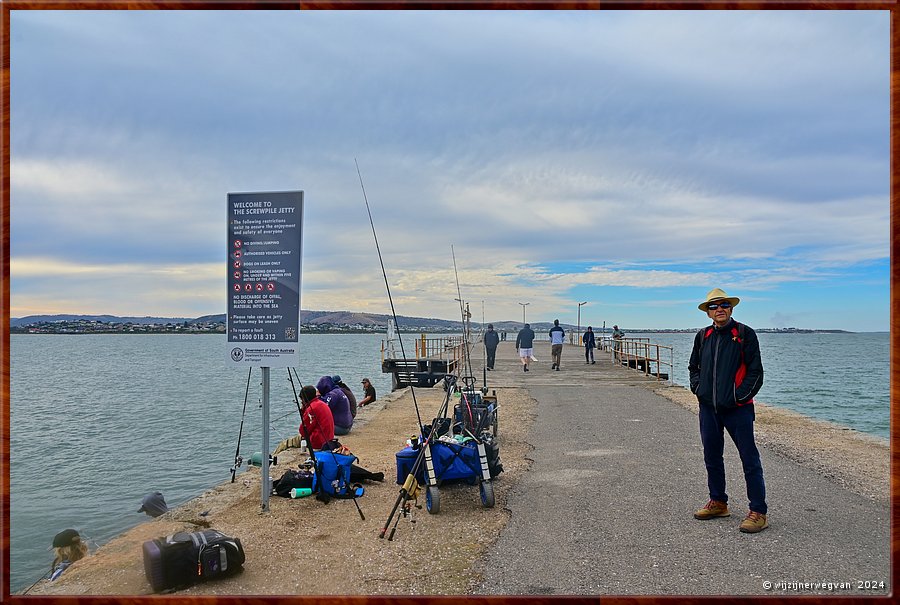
(337, 402)
(318, 423)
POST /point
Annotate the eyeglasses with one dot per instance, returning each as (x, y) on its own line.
(714, 306)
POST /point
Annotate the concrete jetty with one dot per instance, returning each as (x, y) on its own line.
(618, 471)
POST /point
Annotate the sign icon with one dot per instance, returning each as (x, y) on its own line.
(270, 287)
(237, 274)
(237, 354)
(237, 287)
(237, 264)
(259, 287)
(248, 287)
(237, 253)
(238, 243)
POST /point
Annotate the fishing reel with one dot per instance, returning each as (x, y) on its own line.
(238, 461)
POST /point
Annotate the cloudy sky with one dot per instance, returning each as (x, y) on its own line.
(633, 160)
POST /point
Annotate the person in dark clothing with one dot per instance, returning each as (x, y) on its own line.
(350, 396)
(369, 393)
(589, 343)
(491, 340)
(726, 372)
(525, 345)
(154, 504)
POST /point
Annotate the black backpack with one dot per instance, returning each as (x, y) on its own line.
(182, 559)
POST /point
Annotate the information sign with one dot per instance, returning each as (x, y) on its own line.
(264, 253)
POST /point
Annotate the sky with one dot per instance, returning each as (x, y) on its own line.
(630, 160)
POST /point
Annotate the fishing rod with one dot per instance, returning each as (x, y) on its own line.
(410, 488)
(467, 362)
(388, 288)
(237, 457)
(484, 357)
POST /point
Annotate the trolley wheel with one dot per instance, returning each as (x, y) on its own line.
(432, 499)
(487, 494)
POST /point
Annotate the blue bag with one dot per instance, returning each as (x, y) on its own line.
(332, 477)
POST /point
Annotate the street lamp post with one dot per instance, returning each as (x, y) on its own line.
(523, 311)
(579, 316)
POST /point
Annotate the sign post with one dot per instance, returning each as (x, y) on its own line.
(263, 319)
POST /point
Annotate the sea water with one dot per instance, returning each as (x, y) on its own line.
(98, 421)
(840, 377)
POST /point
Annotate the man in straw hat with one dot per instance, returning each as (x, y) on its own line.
(726, 372)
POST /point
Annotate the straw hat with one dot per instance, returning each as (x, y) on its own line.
(718, 294)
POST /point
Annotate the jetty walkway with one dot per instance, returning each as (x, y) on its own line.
(607, 506)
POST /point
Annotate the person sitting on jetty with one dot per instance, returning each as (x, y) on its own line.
(557, 338)
(525, 345)
(350, 396)
(68, 548)
(726, 372)
(589, 343)
(318, 423)
(369, 391)
(154, 504)
(337, 403)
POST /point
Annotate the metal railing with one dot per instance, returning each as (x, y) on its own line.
(641, 354)
(446, 347)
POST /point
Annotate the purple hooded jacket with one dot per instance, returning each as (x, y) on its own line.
(336, 400)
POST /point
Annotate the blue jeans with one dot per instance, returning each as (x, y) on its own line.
(739, 424)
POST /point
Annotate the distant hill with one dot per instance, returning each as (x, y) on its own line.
(315, 318)
(32, 319)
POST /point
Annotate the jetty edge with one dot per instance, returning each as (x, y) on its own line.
(456, 552)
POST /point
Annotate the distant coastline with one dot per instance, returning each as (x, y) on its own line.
(311, 322)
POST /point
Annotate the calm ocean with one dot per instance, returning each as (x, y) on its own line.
(97, 421)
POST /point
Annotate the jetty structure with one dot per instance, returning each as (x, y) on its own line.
(603, 468)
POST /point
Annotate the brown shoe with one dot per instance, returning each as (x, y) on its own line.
(755, 522)
(713, 508)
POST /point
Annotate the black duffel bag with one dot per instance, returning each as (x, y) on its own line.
(182, 559)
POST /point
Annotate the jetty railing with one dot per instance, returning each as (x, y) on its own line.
(642, 355)
(432, 359)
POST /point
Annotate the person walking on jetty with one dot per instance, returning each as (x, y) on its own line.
(726, 372)
(589, 343)
(557, 337)
(525, 345)
(369, 395)
(491, 340)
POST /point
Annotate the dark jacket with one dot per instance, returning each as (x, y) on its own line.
(525, 339)
(491, 339)
(715, 366)
(588, 340)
